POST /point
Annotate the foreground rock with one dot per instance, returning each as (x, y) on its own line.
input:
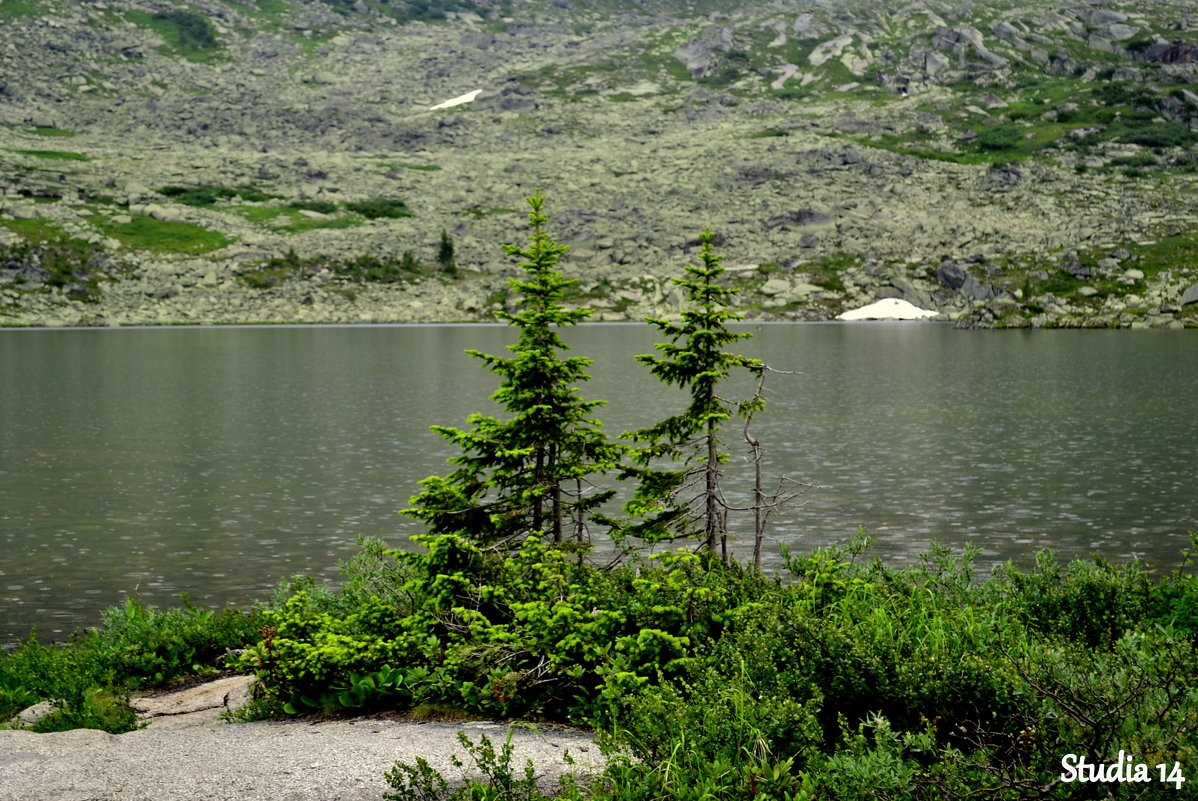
(187, 753)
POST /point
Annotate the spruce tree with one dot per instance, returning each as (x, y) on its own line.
(525, 473)
(683, 498)
(445, 255)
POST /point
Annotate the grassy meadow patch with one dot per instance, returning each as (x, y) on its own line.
(52, 155)
(143, 232)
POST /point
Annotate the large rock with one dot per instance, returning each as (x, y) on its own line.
(1005, 30)
(696, 57)
(1190, 296)
(955, 277)
(903, 289)
(962, 38)
(196, 705)
(935, 63)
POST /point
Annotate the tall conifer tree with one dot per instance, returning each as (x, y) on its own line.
(683, 498)
(525, 473)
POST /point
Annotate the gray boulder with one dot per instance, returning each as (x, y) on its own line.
(1190, 296)
(903, 289)
(696, 57)
(1005, 30)
(935, 63)
(1102, 16)
(955, 277)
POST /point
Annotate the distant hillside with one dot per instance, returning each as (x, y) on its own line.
(1008, 164)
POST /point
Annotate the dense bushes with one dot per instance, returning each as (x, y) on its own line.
(831, 681)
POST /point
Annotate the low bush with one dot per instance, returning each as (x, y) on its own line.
(380, 208)
(1000, 137)
(208, 195)
(89, 678)
(833, 680)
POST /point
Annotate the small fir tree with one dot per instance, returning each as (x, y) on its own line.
(445, 255)
(683, 498)
(526, 473)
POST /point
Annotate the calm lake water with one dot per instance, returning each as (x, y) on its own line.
(213, 461)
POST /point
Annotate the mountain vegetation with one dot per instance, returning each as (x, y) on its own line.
(1006, 164)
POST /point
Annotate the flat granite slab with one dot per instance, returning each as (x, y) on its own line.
(186, 752)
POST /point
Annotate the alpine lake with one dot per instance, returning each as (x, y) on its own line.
(213, 461)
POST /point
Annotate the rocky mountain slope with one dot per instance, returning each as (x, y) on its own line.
(1005, 163)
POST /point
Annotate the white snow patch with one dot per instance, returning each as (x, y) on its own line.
(888, 309)
(457, 101)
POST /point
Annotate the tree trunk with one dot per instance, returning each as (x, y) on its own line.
(713, 509)
(555, 497)
(758, 502)
(538, 508)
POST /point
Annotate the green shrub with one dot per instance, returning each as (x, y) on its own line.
(207, 195)
(1000, 137)
(1092, 603)
(191, 31)
(319, 206)
(1139, 160)
(145, 645)
(492, 777)
(1161, 134)
(365, 268)
(380, 208)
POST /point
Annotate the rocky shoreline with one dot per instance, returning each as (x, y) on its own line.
(201, 292)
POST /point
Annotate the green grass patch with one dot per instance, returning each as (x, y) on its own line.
(52, 155)
(162, 236)
(33, 229)
(187, 34)
(1060, 113)
(14, 10)
(1178, 252)
(310, 224)
(49, 131)
(403, 165)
